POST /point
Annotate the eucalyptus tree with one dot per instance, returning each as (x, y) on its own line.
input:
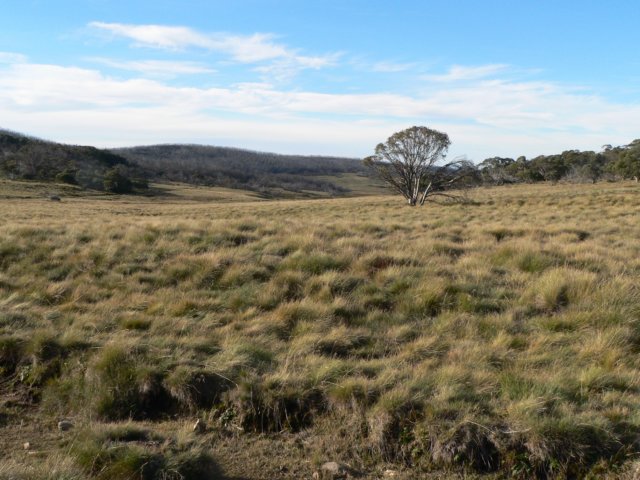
(411, 163)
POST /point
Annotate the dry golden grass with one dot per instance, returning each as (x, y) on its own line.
(498, 335)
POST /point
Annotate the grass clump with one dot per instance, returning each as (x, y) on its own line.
(284, 286)
(12, 350)
(343, 342)
(126, 452)
(274, 406)
(360, 390)
(195, 389)
(122, 385)
(558, 288)
(135, 323)
(314, 263)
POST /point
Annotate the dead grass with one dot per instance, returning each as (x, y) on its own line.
(498, 336)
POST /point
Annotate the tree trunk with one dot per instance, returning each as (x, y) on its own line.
(424, 195)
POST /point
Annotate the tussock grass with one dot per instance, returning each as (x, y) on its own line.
(501, 335)
(132, 452)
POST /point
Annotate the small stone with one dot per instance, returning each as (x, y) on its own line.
(333, 471)
(199, 426)
(26, 445)
(64, 425)
(390, 473)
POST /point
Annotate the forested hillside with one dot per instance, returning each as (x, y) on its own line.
(129, 170)
(28, 158)
(232, 167)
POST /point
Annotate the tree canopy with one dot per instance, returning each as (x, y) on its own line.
(410, 162)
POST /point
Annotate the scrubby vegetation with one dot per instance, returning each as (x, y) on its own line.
(499, 337)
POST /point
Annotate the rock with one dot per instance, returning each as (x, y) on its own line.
(199, 426)
(333, 471)
(390, 473)
(64, 425)
(26, 445)
(55, 198)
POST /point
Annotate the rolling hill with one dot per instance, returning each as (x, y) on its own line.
(129, 170)
(237, 168)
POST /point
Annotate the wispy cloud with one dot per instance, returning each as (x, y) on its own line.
(391, 67)
(163, 68)
(459, 73)
(255, 48)
(10, 57)
(157, 36)
(284, 69)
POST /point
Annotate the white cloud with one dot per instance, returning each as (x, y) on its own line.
(250, 48)
(458, 73)
(157, 36)
(155, 67)
(286, 68)
(484, 118)
(391, 67)
(255, 48)
(9, 57)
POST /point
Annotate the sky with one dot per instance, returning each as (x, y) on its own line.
(323, 77)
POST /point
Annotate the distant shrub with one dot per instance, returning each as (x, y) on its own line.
(68, 175)
(116, 182)
(140, 183)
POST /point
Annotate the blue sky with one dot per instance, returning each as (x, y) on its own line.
(325, 77)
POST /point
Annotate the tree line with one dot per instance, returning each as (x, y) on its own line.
(412, 164)
(611, 163)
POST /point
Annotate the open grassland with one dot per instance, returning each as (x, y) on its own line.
(497, 337)
(159, 192)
